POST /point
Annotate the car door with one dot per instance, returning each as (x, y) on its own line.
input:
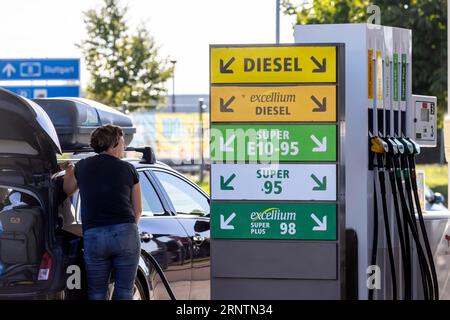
(191, 206)
(32, 262)
(168, 241)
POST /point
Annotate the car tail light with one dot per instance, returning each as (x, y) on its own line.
(45, 267)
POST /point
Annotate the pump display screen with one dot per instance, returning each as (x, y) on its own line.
(425, 120)
(424, 115)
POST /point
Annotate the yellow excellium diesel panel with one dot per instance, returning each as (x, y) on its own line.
(273, 104)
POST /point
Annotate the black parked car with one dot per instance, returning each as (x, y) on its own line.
(41, 240)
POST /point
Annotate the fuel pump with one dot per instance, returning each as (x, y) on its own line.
(390, 115)
(384, 126)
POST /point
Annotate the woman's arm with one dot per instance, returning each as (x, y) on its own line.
(70, 182)
(136, 201)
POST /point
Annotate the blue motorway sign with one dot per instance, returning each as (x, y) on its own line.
(39, 69)
(34, 92)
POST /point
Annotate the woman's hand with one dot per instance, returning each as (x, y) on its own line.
(136, 201)
(66, 165)
(70, 182)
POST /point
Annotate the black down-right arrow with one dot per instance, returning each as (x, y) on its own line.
(322, 106)
(321, 67)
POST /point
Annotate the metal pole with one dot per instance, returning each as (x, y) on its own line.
(202, 159)
(277, 22)
(173, 85)
(173, 95)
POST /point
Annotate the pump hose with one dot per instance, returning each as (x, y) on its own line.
(408, 216)
(405, 227)
(373, 260)
(405, 257)
(424, 267)
(161, 274)
(412, 167)
(386, 226)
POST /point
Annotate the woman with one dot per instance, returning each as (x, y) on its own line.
(110, 211)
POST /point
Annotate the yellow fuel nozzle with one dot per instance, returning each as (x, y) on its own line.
(377, 145)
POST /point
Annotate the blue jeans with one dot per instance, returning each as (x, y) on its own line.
(115, 247)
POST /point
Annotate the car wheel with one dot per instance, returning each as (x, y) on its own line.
(138, 290)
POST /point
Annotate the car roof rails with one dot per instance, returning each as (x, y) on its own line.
(79, 150)
(148, 155)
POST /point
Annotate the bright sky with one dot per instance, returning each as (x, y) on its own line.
(182, 28)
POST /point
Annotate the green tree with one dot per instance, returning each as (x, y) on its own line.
(427, 20)
(124, 66)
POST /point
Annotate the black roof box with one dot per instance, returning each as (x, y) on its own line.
(75, 118)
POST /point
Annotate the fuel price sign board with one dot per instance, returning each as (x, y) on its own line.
(274, 182)
(273, 64)
(273, 103)
(255, 220)
(273, 142)
(276, 173)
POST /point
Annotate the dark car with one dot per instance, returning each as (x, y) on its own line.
(41, 239)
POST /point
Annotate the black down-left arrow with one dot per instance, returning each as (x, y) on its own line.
(224, 106)
(224, 67)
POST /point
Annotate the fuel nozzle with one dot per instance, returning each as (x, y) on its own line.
(408, 146)
(393, 146)
(415, 145)
(415, 149)
(378, 145)
(396, 151)
(400, 145)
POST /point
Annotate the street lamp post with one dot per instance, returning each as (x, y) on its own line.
(277, 22)
(173, 84)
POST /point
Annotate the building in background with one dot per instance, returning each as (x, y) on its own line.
(178, 138)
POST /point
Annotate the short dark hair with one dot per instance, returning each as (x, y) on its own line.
(105, 137)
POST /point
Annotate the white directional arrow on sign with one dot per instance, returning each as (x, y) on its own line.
(9, 70)
(226, 146)
(321, 146)
(321, 225)
(224, 224)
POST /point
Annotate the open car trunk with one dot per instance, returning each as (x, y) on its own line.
(29, 254)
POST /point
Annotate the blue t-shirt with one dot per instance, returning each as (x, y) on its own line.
(105, 184)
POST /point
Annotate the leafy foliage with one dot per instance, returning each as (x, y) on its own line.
(426, 18)
(124, 67)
